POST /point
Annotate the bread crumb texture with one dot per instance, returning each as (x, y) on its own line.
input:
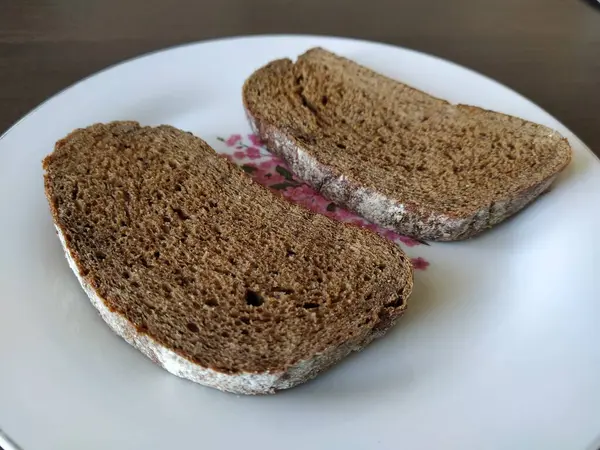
(398, 156)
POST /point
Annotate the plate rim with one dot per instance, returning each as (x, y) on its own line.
(243, 37)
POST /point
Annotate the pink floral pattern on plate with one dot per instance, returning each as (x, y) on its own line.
(270, 171)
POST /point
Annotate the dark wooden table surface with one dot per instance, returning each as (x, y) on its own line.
(549, 50)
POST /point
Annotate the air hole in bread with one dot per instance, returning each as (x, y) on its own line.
(253, 299)
(341, 146)
(396, 303)
(324, 100)
(245, 320)
(126, 275)
(211, 302)
(100, 256)
(181, 214)
(303, 99)
(193, 327)
(310, 305)
(290, 253)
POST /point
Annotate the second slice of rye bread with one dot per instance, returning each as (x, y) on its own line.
(398, 156)
(208, 273)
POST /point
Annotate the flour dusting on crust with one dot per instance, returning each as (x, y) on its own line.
(409, 220)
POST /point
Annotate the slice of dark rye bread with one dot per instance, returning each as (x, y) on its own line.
(208, 273)
(398, 156)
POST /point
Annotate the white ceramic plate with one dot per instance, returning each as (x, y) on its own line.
(500, 348)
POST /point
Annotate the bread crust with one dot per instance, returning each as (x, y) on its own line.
(404, 218)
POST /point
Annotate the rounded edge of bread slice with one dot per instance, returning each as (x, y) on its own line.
(407, 219)
(242, 382)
